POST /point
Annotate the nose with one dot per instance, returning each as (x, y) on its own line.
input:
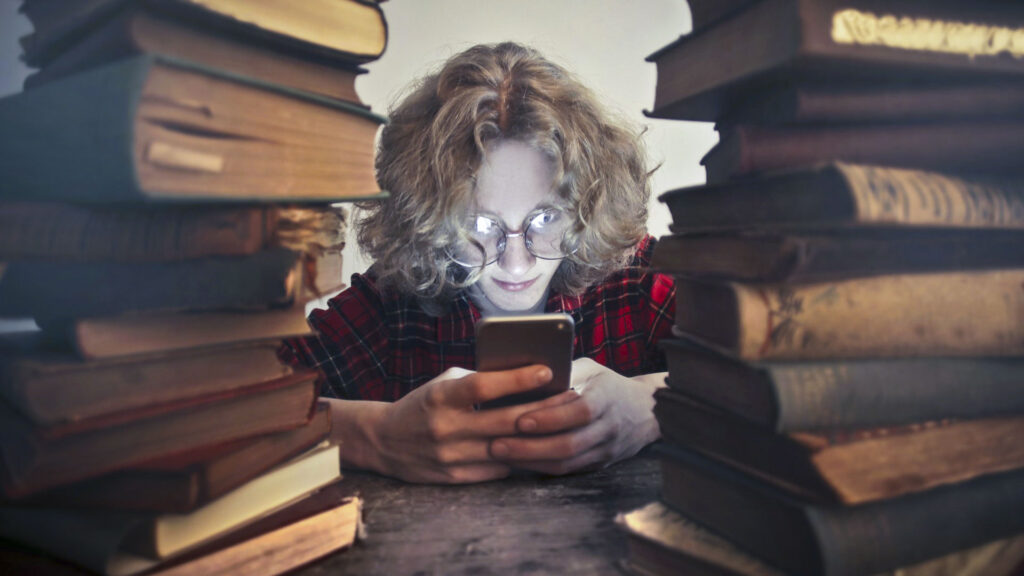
(516, 259)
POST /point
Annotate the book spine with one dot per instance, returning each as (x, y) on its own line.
(897, 195)
(870, 393)
(42, 159)
(941, 314)
(53, 231)
(40, 289)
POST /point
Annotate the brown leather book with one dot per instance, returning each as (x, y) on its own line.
(53, 388)
(851, 466)
(334, 30)
(137, 29)
(747, 150)
(72, 232)
(840, 194)
(185, 481)
(151, 128)
(327, 521)
(818, 255)
(958, 313)
(798, 537)
(39, 458)
(771, 42)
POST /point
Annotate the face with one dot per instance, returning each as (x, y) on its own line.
(514, 183)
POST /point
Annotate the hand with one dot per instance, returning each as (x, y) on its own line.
(434, 434)
(608, 420)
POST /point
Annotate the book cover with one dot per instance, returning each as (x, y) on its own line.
(702, 76)
(151, 128)
(832, 394)
(36, 459)
(849, 195)
(138, 28)
(183, 482)
(800, 539)
(73, 232)
(50, 386)
(957, 313)
(341, 30)
(846, 467)
(983, 146)
(817, 255)
(124, 543)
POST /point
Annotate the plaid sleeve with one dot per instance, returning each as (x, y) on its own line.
(351, 345)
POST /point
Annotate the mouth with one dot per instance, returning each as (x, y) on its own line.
(514, 286)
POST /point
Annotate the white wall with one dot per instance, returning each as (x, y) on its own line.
(603, 41)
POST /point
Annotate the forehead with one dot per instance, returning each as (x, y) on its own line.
(514, 179)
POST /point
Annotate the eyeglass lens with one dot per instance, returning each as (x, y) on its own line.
(543, 233)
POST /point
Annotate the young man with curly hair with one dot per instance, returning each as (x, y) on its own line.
(511, 191)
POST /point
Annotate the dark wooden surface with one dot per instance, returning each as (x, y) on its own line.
(521, 525)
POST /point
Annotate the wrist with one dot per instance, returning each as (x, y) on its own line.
(354, 426)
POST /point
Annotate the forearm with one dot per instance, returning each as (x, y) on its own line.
(353, 426)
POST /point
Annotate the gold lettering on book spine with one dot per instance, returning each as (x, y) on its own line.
(899, 195)
(850, 26)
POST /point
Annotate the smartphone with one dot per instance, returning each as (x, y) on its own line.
(506, 342)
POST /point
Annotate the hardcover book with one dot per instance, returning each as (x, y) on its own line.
(803, 539)
(832, 394)
(151, 128)
(956, 313)
(846, 467)
(774, 42)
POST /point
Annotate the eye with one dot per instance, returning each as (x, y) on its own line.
(481, 226)
(545, 219)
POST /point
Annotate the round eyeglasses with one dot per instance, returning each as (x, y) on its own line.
(483, 239)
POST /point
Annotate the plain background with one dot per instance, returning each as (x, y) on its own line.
(603, 41)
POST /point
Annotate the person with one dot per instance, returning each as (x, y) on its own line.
(511, 191)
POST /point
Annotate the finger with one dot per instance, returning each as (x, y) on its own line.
(515, 449)
(481, 387)
(565, 415)
(592, 459)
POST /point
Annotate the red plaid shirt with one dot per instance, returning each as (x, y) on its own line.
(379, 346)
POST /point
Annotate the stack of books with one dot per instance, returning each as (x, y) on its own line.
(844, 393)
(171, 177)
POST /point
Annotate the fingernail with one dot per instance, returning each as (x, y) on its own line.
(499, 449)
(527, 425)
(544, 374)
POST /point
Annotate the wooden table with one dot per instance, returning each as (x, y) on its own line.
(521, 525)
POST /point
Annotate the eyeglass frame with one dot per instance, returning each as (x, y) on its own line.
(506, 235)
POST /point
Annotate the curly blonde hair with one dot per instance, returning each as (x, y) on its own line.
(435, 141)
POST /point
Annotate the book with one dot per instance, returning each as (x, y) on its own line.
(876, 102)
(149, 128)
(131, 334)
(746, 150)
(40, 289)
(957, 313)
(841, 194)
(772, 42)
(819, 255)
(345, 30)
(138, 28)
(326, 521)
(52, 387)
(704, 13)
(183, 482)
(845, 394)
(800, 538)
(117, 543)
(36, 458)
(846, 467)
(662, 541)
(60, 231)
